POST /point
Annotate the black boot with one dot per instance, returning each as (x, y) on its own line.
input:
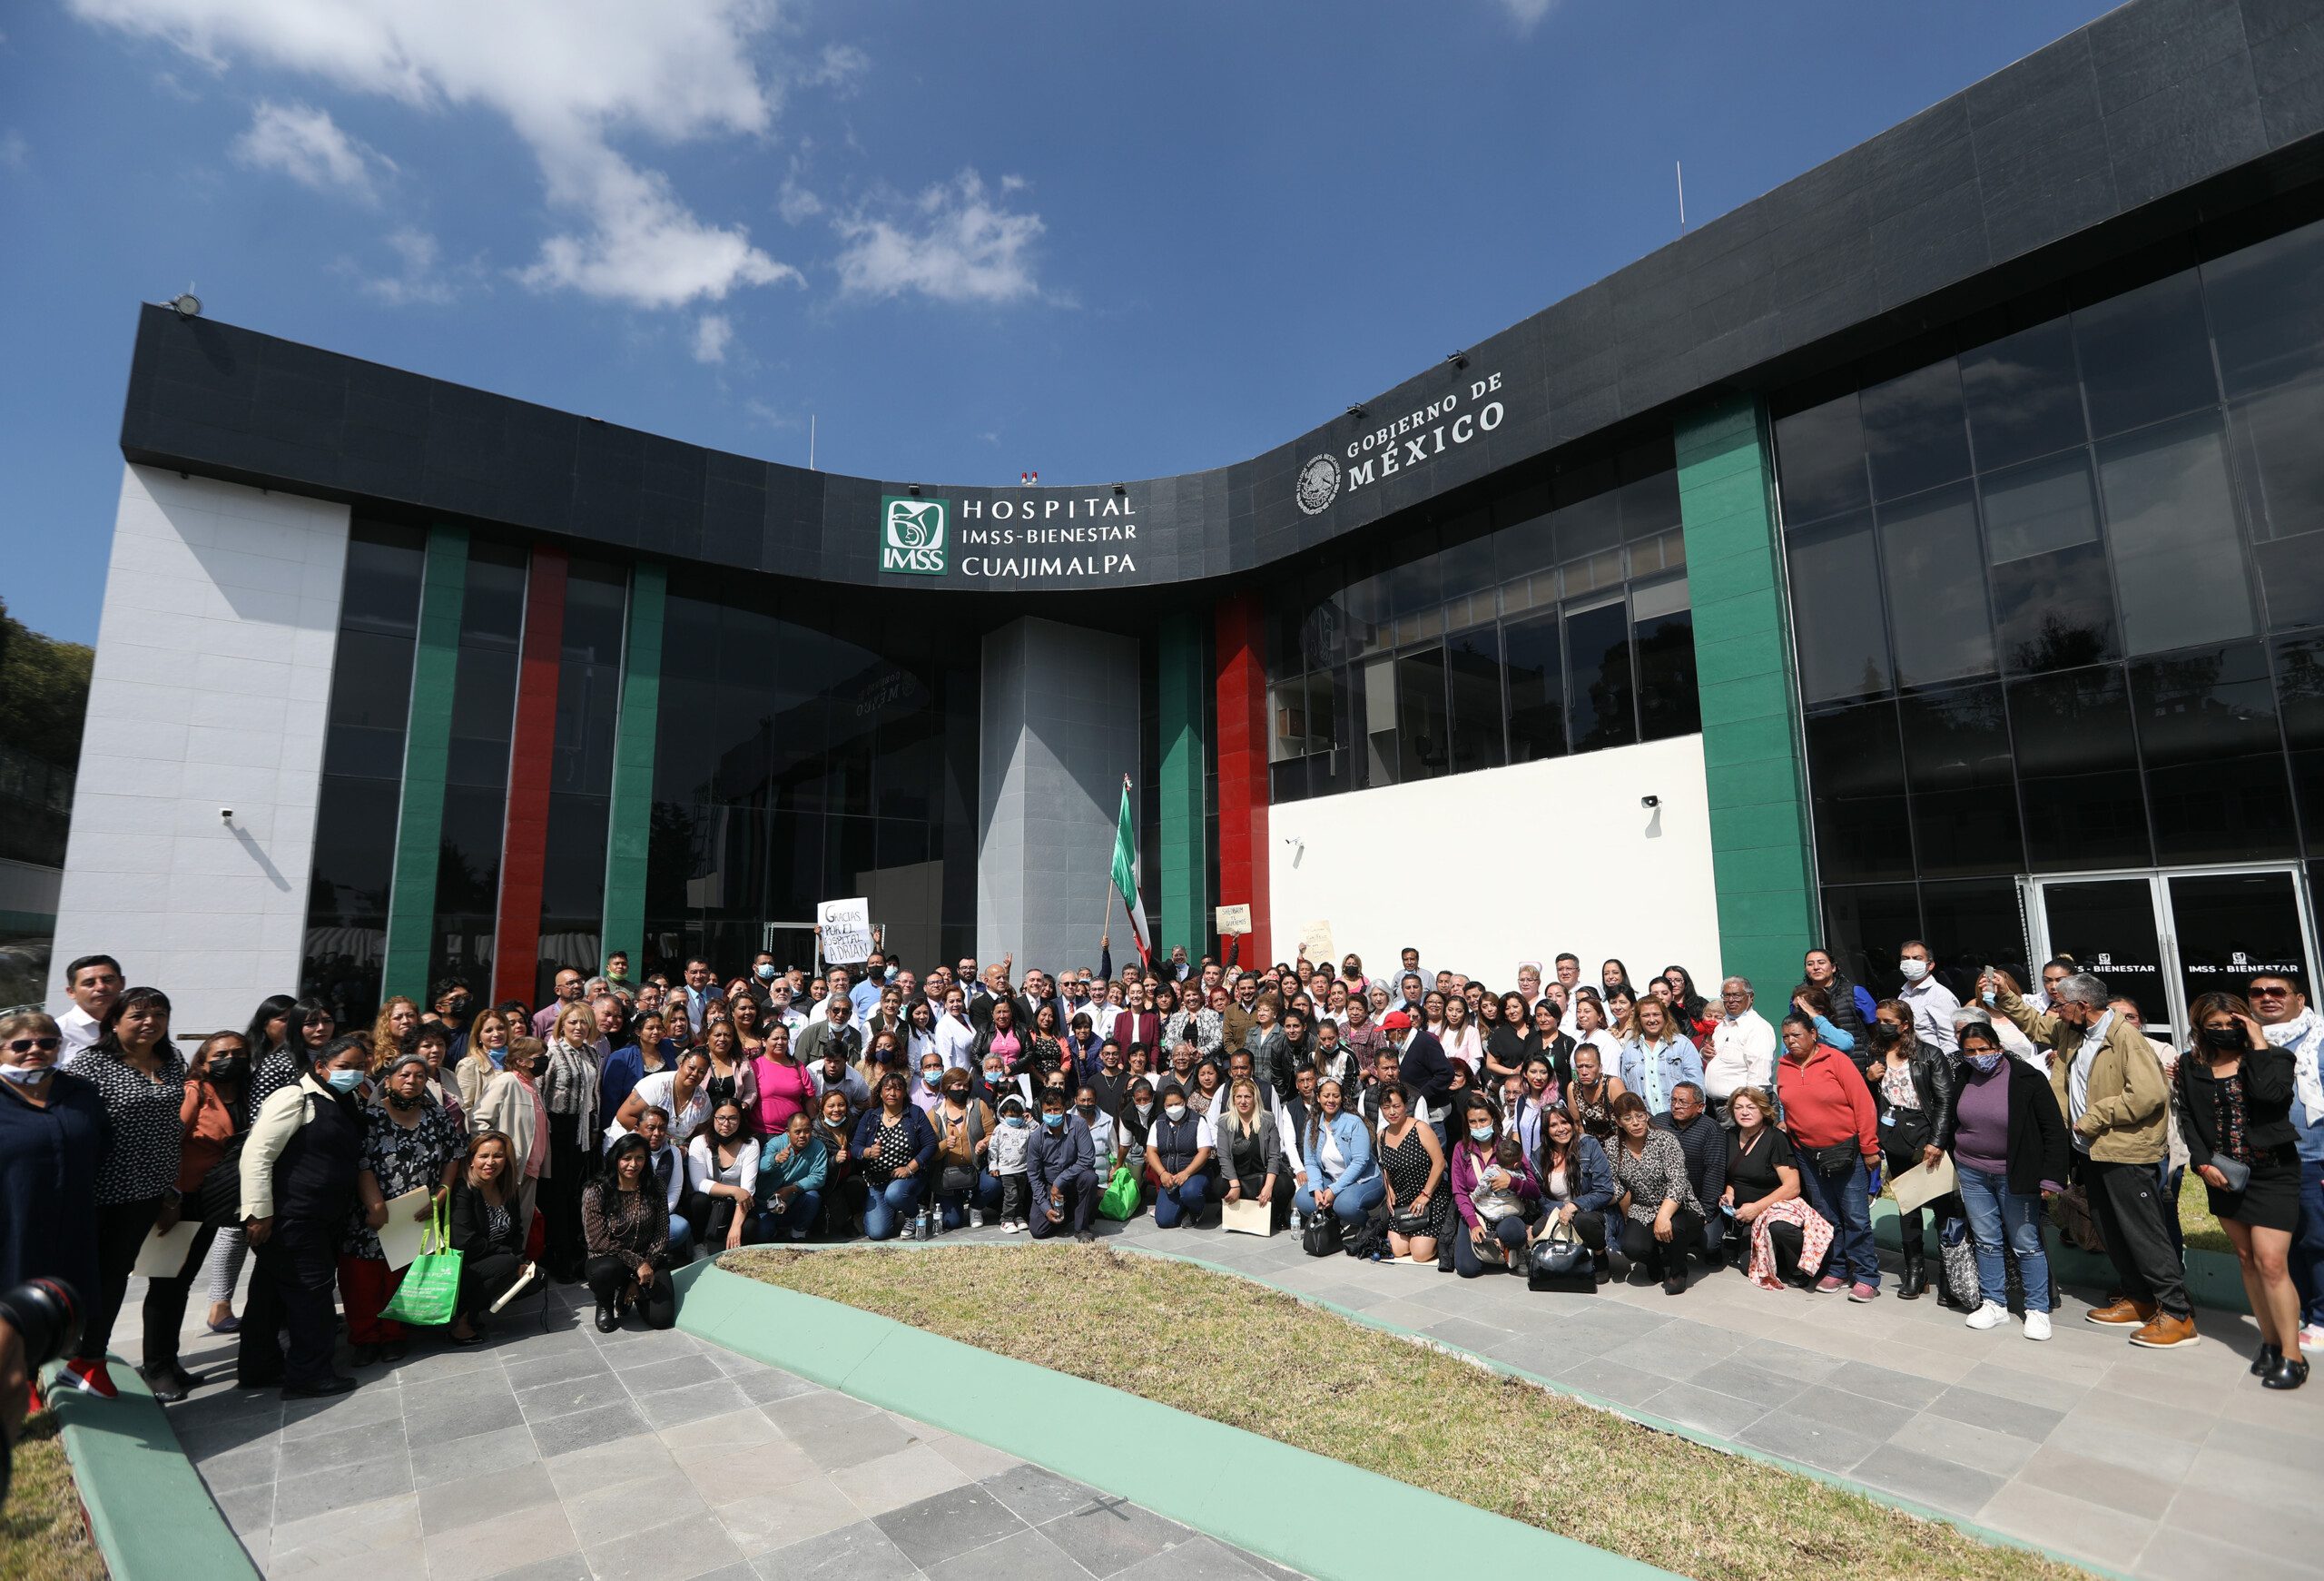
(608, 1319)
(1914, 1278)
(2267, 1358)
(2285, 1374)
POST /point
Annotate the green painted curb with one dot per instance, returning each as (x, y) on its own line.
(1191, 1470)
(152, 1517)
(1897, 1502)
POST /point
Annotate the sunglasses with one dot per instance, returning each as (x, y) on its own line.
(2256, 993)
(26, 1045)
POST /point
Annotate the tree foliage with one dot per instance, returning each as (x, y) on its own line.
(44, 692)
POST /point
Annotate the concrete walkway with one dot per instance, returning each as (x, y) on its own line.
(569, 1455)
(2171, 1464)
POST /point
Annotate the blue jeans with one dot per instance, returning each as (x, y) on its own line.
(1993, 1211)
(954, 1205)
(885, 1208)
(1183, 1201)
(1351, 1204)
(680, 1239)
(1845, 1202)
(2308, 1242)
(776, 1223)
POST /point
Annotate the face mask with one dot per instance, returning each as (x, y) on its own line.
(1054, 1121)
(1986, 1064)
(1144, 1110)
(24, 1075)
(1015, 1123)
(1883, 1034)
(1087, 1111)
(343, 1082)
(1987, 996)
(766, 973)
(228, 1068)
(1914, 971)
(1480, 1134)
(540, 1067)
(933, 1078)
(404, 1105)
(1176, 1112)
(2225, 1037)
(992, 1077)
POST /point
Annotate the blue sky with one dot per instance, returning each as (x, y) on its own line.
(1099, 240)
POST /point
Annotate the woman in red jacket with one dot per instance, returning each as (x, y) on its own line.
(1835, 1132)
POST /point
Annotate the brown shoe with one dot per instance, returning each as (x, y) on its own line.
(2125, 1313)
(2166, 1331)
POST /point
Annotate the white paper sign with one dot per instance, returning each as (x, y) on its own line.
(847, 931)
(1249, 1217)
(401, 1237)
(163, 1253)
(1234, 919)
(1316, 942)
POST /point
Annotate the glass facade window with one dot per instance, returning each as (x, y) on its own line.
(2055, 594)
(1554, 619)
(476, 790)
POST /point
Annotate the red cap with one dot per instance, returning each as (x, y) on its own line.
(1396, 1021)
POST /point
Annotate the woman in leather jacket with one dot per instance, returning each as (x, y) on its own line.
(1912, 1084)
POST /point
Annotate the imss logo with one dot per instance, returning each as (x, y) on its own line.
(912, 534)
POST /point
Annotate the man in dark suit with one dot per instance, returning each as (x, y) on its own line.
(1421, 1061)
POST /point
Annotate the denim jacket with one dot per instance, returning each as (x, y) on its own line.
(1589, 1177)
(1674, 1062)
(1357, 1164)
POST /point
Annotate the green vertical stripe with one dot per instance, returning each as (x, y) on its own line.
(630, 821)
(1185, 866)
(426, 749)
(1759, 829)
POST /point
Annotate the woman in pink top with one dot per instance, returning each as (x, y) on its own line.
(784, 1088)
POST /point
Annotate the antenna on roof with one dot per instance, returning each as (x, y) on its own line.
(811, 441)
(1681, 171)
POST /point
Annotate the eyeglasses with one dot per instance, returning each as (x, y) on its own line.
(2270, 992)
(26, 1045)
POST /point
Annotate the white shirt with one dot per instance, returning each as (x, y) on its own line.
(656, 1090)
(1742, 1054)
(2304, 1036)
(2093, 1038)
(1932, 1004)
(78, 1028)
(702, 1165)
(955, 1038)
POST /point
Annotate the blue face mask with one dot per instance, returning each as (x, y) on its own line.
(1016, 1121)
(1480, 1134)
(1987, 1065)
(766, 971)
(1054, 1121)
(933, 1078)
(343, 1082)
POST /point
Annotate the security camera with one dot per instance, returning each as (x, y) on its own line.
(226, 815)
(1649, 801)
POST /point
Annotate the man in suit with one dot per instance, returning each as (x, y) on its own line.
(699, 994)
(835, 1028)
(1422, 1066)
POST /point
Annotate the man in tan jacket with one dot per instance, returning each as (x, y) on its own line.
(2111, 1089)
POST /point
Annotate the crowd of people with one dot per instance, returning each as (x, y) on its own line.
(1556, 1130)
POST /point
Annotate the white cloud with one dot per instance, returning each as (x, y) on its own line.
(796, 204)
(711, 335)
(569, 75)
(841, 69)
(306, 145)
(955, 246)
(1527, 14)
(420, 281)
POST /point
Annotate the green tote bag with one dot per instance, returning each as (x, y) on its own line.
(1120, 1199)
(431, 1285)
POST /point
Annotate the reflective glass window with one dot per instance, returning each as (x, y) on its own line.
(2267, 310)
(2178, 555)
(2024, 395)
(2078, 772)
(1839, 632)
(1856, 770)
(370, 701)
(1536, 690)
(1423, 726)
(2039, 507)
(2145, 354)
(492, 605)
(1379, 681)
(2299, 695)
(1958, 765)
(1820, 458)
(483, 715)
(1866, 924)
(1662, 625)
(1913, 433)
(2054, 611)
(2213, 753)
(1935, 568)
(1972, 925)
(384, 564)
(1600, 692)
(1472, 666)
(1650, 505)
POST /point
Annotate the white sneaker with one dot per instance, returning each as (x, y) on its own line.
(1014, 1226)
(1988, 1316)
(2312, 1337)
(981, 1221)
(2037, 1325)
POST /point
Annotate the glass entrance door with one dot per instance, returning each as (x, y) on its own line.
(2162, 938)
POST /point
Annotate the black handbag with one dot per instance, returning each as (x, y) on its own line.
(1834, 1159)
(1322, 1236)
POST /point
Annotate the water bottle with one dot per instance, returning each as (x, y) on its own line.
(923, 1227)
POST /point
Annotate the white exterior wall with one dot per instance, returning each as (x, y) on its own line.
(1483, 870)
(211, 684)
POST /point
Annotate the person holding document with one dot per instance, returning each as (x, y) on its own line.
(1912, 1082)
(411, 1155)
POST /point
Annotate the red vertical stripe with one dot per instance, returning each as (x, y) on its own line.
(524, 849)
(1240, 625)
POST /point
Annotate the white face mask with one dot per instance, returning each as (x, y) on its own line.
(1914, 971)
(1176, 1112)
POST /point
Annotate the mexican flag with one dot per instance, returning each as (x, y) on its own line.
(1125, 875)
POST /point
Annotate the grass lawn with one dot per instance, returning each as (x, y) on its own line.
(1239, 1353)
(40, 1535)
(2195, 1221)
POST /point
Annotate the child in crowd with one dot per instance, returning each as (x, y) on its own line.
(1009, 1146)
